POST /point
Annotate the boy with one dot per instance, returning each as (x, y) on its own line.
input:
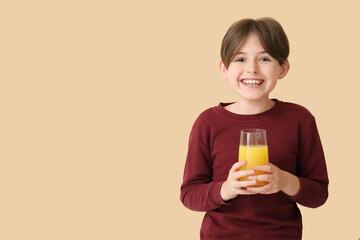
(253, 57)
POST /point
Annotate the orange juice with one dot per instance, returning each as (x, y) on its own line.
(254, 156)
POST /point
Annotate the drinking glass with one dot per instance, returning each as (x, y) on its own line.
(253, 150)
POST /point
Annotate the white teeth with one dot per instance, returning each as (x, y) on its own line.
(252, 82)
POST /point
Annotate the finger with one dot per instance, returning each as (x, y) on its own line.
(264, 168)
(255, 189)
(245, 184)
(263, 190)
(235, 167)
(261, 177)
(243, 173)
(245, 192)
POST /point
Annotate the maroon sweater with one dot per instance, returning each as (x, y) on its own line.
(294, 146)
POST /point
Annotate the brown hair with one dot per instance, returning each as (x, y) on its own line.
(269, 31)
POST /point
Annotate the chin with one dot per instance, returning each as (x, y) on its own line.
(253, 98)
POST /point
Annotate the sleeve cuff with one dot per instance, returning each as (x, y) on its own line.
(215, 195)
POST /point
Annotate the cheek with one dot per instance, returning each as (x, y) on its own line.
(231, 74)
(273, 73)
(272, 70)
(234, 72)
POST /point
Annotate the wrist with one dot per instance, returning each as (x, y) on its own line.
(224, 192)
(292, 184)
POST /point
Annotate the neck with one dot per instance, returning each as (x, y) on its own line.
(253, 107)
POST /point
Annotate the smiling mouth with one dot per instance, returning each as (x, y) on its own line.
(252, 82)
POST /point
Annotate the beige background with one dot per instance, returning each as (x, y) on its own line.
(98, 97)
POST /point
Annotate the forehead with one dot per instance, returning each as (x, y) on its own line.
(251, 43)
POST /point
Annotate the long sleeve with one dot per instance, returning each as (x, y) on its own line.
(311, 169)
(199, 192)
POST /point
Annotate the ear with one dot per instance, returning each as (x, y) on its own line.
(223, 69)
(284, 69)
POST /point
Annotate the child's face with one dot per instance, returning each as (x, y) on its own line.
(253, 73)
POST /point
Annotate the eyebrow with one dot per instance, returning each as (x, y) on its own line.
(245, 52)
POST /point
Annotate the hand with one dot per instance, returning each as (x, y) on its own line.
(278, 180)
(232, 186)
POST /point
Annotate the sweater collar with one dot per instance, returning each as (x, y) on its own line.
(252, 117)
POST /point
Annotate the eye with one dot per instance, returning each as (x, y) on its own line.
(240, 60)
(264, 59)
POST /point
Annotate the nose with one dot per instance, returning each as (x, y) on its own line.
(252, 67)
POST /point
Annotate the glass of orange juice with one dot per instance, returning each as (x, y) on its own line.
(253, 150)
